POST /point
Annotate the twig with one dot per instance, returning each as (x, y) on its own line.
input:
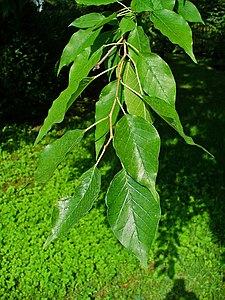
(97, 66)
(96, 123)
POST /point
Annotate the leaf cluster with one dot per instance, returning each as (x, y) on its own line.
(140, 82)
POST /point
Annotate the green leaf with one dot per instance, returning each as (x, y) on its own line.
(139, 40)
(113, 60)
(88, 20)
(156, 77)
(70, 210)
(102, 20)
(133, 215)
(126, 25)
(135, 105)
(103, 108)
(55, 153)
(189, 11)
(67, 97)
(77, 83)
(140, 6)
(168, 112)
(95, 2)
(167, 4)
(151, 5)
(175, 28)
(78, 42)
(82, 86)
(137, 145)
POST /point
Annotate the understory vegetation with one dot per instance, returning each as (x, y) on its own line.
(188, 258)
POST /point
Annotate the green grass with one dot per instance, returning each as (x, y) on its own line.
(188, 258)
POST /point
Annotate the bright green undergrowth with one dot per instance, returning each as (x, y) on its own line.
(187, 259)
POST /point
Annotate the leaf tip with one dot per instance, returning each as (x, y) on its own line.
(48, 241)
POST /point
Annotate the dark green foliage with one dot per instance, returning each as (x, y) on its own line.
(31, 43)
(27, 84)
(209, 40)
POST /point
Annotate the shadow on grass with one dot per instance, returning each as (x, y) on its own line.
(191, 182)
(179, 292)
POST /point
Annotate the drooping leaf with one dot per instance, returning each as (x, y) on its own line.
(189, 11)
(55, 153)
(175, 28)
(84, 83)
(133, 215)
(59, 107)
(79, 41)
(137, 145)
(168, 112)
(103, 108)
(95, 2)
(88, 20)
(140, 41)
(77, 83)
(135, 105)
(70, 210)
(156, 77)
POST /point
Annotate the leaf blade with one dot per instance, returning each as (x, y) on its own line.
(175, 28)
(55, 153)
(189, 11)
(133, 215)
(103, 108)
(88, 20)
(137, 145)
(69, 211)
(79, 41)
(135, 105)
(77, 83)
(156, 77)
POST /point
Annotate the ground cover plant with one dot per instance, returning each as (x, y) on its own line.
(187, 259)
(140, 83)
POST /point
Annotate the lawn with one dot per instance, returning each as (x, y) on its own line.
(187, 260)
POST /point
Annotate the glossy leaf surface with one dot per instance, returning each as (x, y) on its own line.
(137, 145)
(55, 153)
(156, 77)
(78, 42)
(133, 214)
(70, 210)
(88, 20)
(77, 83)
(189, 11)
(139, 42)
(135, 105)
(168, 4)
(175, 28)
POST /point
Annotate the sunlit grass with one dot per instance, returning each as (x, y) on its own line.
(187, 259)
